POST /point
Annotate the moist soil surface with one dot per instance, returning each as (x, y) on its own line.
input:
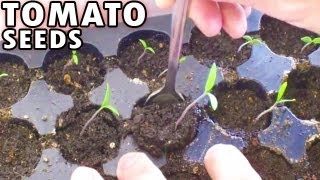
(99, 142)
(151, 65)
(153, 127)
(179, 169)
(20, 149)
(16, 85)
(240, 102)
(313, 156)
(270, 165)
(66, 77)
(304, 86)
(285, 39)
(221, 49)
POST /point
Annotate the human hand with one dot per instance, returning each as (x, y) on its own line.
(221, 161)
(213, 15)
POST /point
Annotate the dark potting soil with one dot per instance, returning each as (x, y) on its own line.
(268, 164)
(20, 149)
(99, 142)
(151, 65)
(221, 49)
(181, 170)
(285, 39)
(153, 127)
(240, 102)
(16, 85)
(313, 157)
(304, 86)
(66, 77)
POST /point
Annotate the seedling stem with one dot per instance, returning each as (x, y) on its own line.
(279, 100)
(249, 40)
(105, 105)
(207, 92)
(3, 75)
(181, 60)
(309, 41)
(146, 48)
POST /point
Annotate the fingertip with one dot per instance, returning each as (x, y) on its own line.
(137, 166)
(234, 19)
(221, 159)
(206, 16)
(164, 4)
(85, 173)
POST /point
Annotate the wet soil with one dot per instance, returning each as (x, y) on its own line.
(270, 165)
(16, 85)
(20, 149)
(67, 77)
(285, 39)
(151, 65)
(313, 156)
(304, 86)
(240, 102)
(178, 169)
(99, 142)
(221, 49)
(153, 127)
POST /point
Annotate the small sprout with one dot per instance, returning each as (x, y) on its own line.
(211, 80)
(105, 105)
(146, 48)
(3, 75)
(181, 60)
(250, 40)
(75, 58)
(308, 41)
(279, 100)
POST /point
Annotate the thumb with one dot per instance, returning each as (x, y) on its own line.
(85, 173)
(137, 166)
(227, 162)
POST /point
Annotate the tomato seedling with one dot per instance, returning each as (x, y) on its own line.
(75, 58)
(105, 105)
(2, 75)
(250, 41)
(279, 100)
(309, 41)
(181, 60)
(211, 80)
(146, 49)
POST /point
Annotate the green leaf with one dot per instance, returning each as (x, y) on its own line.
(256, 41)
(316, 40)
(150, 49)
(306, 39)
(144, 44)
(247, 38)
(211, 78)
(213, 101)
(106, 99)
(281, 92)
(182, 59)
(113, 110)
(4, 75)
